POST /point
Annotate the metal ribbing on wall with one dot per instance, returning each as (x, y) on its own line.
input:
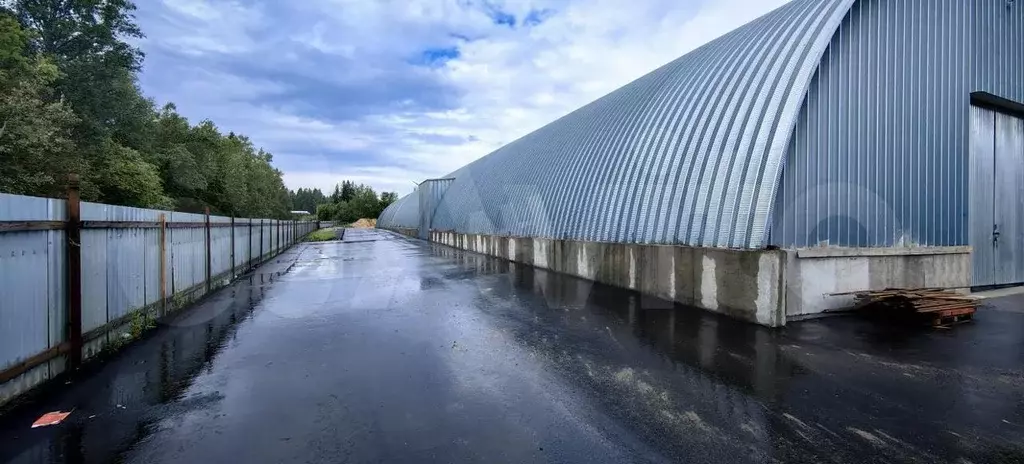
(998, 52)
(982, 194)
(879, 153)
(687, 154)
(430, 194)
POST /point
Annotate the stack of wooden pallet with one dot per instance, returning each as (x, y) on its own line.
(936, 306)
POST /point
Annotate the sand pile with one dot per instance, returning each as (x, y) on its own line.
(364, 224)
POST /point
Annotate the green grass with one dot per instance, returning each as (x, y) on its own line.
(322, 235)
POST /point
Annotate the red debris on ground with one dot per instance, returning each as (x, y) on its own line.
(51, 418)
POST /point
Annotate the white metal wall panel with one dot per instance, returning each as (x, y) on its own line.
(688, 154)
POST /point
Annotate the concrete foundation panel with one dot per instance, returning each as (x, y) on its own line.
(760, 286)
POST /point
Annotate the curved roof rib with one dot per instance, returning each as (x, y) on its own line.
(688, 154)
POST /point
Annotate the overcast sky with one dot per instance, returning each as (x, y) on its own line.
(387, 92)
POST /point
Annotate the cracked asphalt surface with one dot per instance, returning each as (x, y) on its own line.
(385, 349)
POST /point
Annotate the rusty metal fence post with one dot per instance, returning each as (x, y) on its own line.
(73, 235)
(206, 212)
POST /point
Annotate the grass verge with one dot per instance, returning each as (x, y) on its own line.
(322, 235)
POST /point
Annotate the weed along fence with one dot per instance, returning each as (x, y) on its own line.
(79, 277)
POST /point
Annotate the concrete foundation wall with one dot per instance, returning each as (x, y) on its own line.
(414, 233)
(767, 287)
(814, 274)
(742, 284)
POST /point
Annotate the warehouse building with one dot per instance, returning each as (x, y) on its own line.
(828, 146)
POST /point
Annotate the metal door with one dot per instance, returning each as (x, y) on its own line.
(1009, 196)
(997, 197)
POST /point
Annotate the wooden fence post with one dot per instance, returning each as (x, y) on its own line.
(206, 211)
(73, 235)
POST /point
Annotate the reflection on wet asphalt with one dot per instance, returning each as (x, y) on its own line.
(385, 349)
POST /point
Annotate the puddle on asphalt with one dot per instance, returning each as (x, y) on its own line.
(835, 382)
(119, 399)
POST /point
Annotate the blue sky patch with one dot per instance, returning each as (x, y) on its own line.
(536, 17)
(437, 56)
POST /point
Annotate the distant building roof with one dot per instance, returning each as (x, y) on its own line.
(301, 212)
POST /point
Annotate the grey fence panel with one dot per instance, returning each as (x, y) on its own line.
(187, 253)
(24, 329)
(151, 269)
(126, 253)
(245, 245)
(94, 278)
(271, 237)
(56, 280)
(220, 246)
(32, 307)
(121, 253)
(268, 238)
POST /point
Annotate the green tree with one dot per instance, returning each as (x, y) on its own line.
(131, 180)
(362, 202)
(70, 102)
(386, 199)
(36, 147)
(348, 190)
(307, 199)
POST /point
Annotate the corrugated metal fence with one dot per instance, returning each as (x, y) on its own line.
(124, 265)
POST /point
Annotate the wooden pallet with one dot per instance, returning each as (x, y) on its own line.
(936, 306)
(947, 317)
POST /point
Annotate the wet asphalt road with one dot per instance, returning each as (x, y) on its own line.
(384, 349)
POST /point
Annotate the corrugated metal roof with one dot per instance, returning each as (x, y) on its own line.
(688, 154)
(404, 213)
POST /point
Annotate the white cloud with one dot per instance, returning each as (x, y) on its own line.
(507, 81)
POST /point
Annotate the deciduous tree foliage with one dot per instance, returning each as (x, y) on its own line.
(351, 202)
(70, 102)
